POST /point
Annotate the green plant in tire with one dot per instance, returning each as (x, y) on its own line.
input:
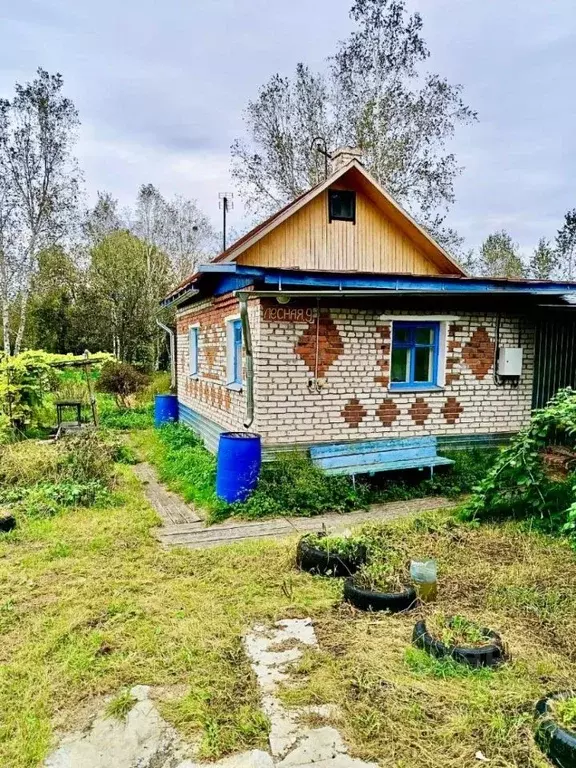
(346, 545)
(385, 576)
(457, 631)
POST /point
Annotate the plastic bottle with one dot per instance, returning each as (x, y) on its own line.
(424, 574)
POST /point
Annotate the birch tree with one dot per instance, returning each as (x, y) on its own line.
(374, 95)
(542, 261)
(37, 132)
(499, 257)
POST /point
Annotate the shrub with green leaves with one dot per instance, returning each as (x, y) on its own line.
(519, 484)
(121, 380)
(293, 485)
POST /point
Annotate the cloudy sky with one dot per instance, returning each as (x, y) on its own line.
(161, 85)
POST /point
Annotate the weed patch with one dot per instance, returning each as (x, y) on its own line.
(120, 705)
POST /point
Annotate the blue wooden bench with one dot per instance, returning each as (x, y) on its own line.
(378, 456)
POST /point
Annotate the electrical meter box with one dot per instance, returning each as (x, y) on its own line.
(510, 361)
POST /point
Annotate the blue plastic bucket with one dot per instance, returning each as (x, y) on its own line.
(165, 409)
(238, 465)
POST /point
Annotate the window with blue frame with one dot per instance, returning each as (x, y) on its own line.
(235, 352)
(193, 351)
(415, 351)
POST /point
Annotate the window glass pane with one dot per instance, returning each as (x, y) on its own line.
(401, 335)
(422, 364)
(400, 364)
(237, 351)
(424, 336)
(342, 205)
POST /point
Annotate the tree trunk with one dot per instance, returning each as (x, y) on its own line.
(22, 324)
(6, 327)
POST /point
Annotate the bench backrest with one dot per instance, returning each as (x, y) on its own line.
(374, 452)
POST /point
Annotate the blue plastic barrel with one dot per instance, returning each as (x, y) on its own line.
(238, 465)
(165, 409)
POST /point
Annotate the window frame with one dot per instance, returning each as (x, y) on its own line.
(435, 347)
(194, 351)
(235, 358)
(331, 216)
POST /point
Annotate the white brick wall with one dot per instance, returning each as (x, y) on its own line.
(289, 411)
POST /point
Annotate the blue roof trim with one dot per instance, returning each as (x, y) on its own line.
(425, 284)
(232, 277)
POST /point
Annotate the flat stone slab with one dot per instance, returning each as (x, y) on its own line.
(142, 740)
(272, 651)
(199, 536)
(171, 507)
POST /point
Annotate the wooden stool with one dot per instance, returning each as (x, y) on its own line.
(61, 405)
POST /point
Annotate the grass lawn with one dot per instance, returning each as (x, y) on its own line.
(90, 604)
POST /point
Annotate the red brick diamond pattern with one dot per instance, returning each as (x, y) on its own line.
(330, 345)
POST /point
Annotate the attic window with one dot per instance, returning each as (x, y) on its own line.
(341, 205)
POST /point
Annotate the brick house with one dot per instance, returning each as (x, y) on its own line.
(340, 319)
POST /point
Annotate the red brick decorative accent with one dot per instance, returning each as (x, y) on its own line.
(419, 411)
(388, 412)
(353, 412)
(383, 347)
(330, 344)
(452, 410)
(478, 353)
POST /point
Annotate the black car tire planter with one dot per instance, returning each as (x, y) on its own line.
(558, 744)
(7, 523)
(485, 656)
(368, 600)
(317, 561)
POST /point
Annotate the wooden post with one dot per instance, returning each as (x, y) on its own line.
(87, 370)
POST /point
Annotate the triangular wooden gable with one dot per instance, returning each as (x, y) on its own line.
(383, 239)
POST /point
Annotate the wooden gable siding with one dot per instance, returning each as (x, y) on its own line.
(309, 241)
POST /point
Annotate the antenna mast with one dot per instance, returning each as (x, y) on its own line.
(226, 204)
(320, 145)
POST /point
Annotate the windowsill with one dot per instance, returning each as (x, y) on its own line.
(415, 388)
(194, 376)
(234, 386)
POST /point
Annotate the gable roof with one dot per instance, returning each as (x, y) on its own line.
(379, 196)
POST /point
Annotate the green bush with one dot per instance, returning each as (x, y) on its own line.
(293, 485)
(121, 380)
(519, 484)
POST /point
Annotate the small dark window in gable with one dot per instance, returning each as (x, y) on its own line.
(341, 205)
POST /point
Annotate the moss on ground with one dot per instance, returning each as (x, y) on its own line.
(91, 605)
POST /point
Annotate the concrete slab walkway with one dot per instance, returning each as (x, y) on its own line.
(183, 526)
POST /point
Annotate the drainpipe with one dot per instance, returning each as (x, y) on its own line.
(243, 299)
(170, 333)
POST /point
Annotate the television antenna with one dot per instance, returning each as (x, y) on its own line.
(226, 203)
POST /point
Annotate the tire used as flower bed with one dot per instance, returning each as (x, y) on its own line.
(380, 585)
(489, 653)
(370, 600)
(330, 555)
(556, 741)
